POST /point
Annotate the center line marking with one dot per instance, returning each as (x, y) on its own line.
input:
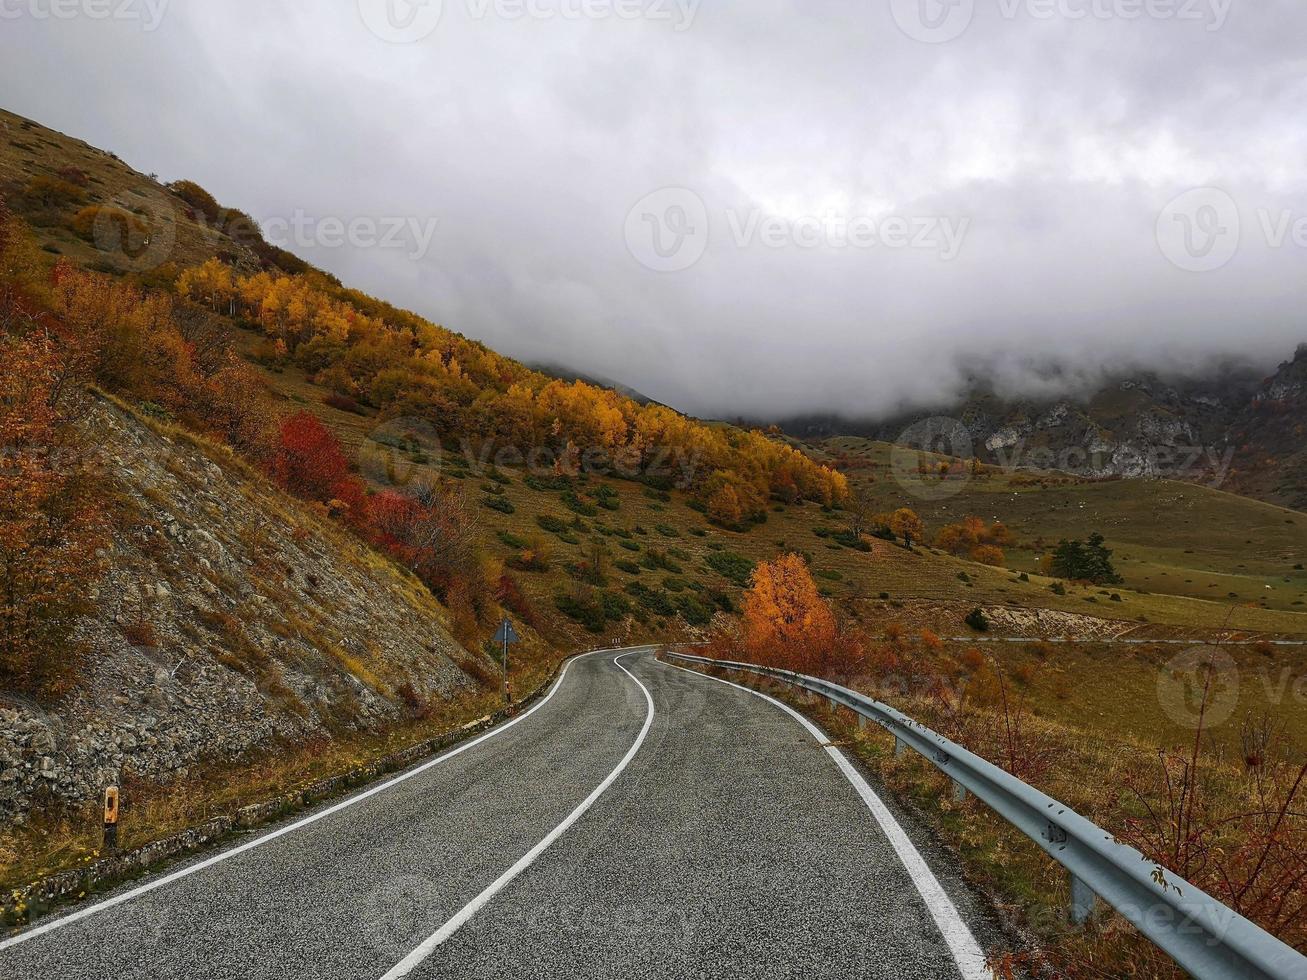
(420, 955)
(117, 900)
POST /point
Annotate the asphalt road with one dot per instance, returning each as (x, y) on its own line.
(643, 821)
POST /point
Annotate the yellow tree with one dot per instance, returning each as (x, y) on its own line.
(907, 525)
(786, 621)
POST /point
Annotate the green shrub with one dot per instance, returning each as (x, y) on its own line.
(693, 611)
(607, 498)
(501, 504)
(587, 612)
(615, 605)
(978, 621)
(659, 559)
(575, 503)
(721, 600)
(655, 600)
(729, 565)
(547, 484)
(551, 524)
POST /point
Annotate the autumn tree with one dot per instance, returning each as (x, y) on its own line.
(787, 623)
(862, 511)
(433, 532)
(907, 525)
(973, 538)
(52, 523)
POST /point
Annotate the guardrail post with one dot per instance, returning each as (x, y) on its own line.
(862, 722)
(959, 792)
(1083, 901)
(900, 748)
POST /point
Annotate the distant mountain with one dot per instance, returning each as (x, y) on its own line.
(1270, 437)
(1235, 429)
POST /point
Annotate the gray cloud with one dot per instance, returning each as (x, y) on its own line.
(1058, 142)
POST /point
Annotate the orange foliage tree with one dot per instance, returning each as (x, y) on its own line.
(52, 518)
(148, 350)
(787, 623)
(973, 538)
(907, 525)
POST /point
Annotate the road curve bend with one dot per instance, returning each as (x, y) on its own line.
(642, 821)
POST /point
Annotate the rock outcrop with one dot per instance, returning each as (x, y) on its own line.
(233, 618)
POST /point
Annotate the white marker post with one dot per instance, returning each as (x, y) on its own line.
(111, 819)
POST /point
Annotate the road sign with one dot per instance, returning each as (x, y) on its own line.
(507, 634)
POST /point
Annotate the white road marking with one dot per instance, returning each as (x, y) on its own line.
(962, 944)
(86, 913)
(420, 955)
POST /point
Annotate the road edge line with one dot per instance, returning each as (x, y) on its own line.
(81, 914)
(966, 952)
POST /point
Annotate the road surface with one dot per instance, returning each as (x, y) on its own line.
(641, 821)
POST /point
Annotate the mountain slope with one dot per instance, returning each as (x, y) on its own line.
(1234, 430)
(1271, 438)
(232, 619)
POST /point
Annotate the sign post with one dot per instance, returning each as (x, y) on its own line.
(111, 819)
(507, 635)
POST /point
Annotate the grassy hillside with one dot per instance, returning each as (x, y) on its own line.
(31, 152)
(1172, 541)
(1170, 538)
(923, 587)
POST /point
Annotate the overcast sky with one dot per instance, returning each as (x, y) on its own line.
(865, 197)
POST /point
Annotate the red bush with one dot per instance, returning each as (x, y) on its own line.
(509, 595)
(308, 461)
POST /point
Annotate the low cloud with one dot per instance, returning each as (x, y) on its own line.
(1044, 152)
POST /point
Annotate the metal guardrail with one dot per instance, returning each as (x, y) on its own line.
(1208, 939)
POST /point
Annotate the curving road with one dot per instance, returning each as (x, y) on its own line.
(641, 821)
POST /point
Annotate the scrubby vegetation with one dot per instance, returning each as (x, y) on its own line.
(1230, 823)
(401, 365)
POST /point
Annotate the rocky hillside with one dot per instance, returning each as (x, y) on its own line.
(1270, 436)
(232, 618)
(1236, 430)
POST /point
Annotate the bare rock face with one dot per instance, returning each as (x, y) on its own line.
(232, 619)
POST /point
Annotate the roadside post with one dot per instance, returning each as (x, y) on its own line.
(111, 819)
(505, 636)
